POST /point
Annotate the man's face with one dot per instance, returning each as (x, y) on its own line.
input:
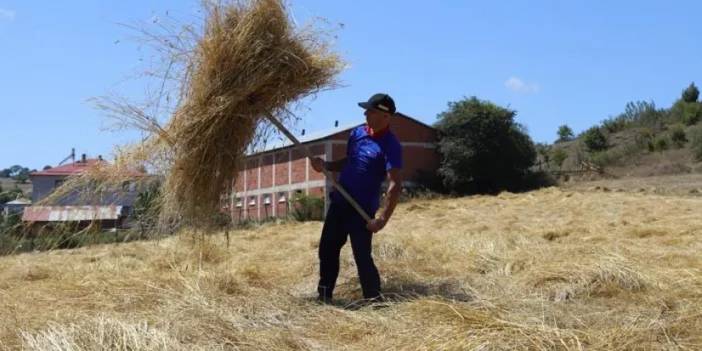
(377, 120)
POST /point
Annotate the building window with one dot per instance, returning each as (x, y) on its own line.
(58, 182)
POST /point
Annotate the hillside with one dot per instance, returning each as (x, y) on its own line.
(551, 269)
(9, 183)
(628, 156)
(643, 140)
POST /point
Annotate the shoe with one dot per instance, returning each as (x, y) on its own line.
(324, 300)
(377, 299)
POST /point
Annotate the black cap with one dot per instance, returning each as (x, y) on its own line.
(380, 102)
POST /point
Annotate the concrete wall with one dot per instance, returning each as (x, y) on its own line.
(42, 186)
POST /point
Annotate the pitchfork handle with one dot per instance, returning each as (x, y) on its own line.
(327, 174)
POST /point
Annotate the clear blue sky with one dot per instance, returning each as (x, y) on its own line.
(555, 62)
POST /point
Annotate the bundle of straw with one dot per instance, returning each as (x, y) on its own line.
(250, 63)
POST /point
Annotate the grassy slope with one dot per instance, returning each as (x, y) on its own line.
(552, 269)
(626, 160)
(9, 183)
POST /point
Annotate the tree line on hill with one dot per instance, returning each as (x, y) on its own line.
(643, 127)
(484, 150)
(18, 173)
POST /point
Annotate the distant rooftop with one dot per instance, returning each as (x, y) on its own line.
(69, 169)
(283, 142)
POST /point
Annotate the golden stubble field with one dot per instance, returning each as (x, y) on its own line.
(551, 269)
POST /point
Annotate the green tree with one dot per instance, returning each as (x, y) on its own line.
(595, 140)
(564, 134)
(22, 177)
(17, 172)
(691, 93)
(483, 149)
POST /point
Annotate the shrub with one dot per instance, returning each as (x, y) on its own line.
(428, 182)
(677, 136)
(621, 153)
(595, 140)
(642, 113)
(147, 209)
(307, 207)
(614, 125)
(644, 137)
(535, 180)
(10, 224)
(558, 156)
(695, 136)
(660, 143)
(692, 113)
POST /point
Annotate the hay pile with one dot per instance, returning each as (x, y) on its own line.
(545, 270)
(248, 63)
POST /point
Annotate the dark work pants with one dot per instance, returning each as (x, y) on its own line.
(343, 221)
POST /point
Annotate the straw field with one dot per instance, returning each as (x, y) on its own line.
(552, 269)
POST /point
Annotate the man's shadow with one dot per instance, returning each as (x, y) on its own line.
(397, 291)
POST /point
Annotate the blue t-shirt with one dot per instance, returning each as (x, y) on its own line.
(367, 161)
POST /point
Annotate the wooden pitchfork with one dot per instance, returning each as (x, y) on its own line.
(327, 174)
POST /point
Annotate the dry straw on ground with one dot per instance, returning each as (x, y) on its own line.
(546, 270)
(249, 62)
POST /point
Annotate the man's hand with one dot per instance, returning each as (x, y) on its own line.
(393, 195)
(376, 224)
(317, 164)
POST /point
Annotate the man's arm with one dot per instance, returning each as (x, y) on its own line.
(333, 166)
(393, 196)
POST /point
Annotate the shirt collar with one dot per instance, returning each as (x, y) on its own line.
(376, 135)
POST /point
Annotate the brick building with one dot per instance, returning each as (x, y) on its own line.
(271, 177)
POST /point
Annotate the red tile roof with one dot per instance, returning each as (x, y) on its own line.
(69, 169)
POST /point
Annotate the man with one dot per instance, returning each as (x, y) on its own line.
(373, 154)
